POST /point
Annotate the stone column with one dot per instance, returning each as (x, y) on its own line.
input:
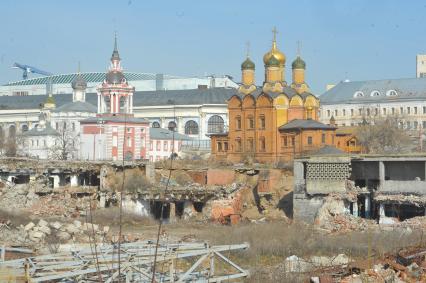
(74, 180)
(355, 208)
(381, 173)
(382, 210)
(172, 216)
(56, 180)
(188, 209)
(367, 206)
(102, 200)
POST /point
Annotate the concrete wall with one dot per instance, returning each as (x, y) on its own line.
(365, 170)
(412, 187)
(305, 209)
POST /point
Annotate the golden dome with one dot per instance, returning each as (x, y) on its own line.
(275, 53)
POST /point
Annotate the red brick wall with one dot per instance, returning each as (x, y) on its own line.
(220, 176)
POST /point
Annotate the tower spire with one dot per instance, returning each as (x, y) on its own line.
(274, 40)
(115, 56)
(299, 47)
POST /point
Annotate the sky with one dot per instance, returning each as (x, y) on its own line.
(340, 39)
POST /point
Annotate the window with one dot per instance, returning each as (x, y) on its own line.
(344, 112)
(391, 93)
(191, 128)
(309, 113)
(215, 124)
(250, 122)
(310, 140)
(238, 123)
(393, 111)
(424, 109)
(328, 113)
(375, 93)
(408, 125)
(285, 141)
(250, 145)
(238, 145)
(415, 125)
(129, 130)
(32, 142)
(73, 126)
(360, 111)
(158, 145)
(172, 126)
(293, 141)
(155, 125)
(219, 146)
(335, 113)
(401, 110)
(165, 145)
(323, 138)
(262, 122)
(415, 110)
(57, 126)
(225, 145)
(408, 110)
(376, 111)
(24, 128)
(129, 141)
(368, 111)
(262, 144)
(37, 142)
(114, 129)
(358, 94)
(384, 111)
(424, 125)
(352, 112)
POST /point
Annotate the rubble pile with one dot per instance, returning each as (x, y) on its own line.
(76, 231)
(334, 217)
(60, 205)
(17, 196)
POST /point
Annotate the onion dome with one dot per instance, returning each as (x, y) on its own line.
(115, 77)
(298, 63)
(248, 64)
(272, 62)
(79, 83)
(274, 52)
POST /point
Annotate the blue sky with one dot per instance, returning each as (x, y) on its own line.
(341, 39)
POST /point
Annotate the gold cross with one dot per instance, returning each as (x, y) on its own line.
(248, 48)
(274, 31)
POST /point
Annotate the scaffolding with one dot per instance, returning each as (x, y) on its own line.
(177, 262)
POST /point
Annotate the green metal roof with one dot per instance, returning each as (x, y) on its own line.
(96, 77)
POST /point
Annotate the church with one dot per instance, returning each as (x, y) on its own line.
(275, 122)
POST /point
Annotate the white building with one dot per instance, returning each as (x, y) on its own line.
(41, 141)
(351, 102)
(164, 143)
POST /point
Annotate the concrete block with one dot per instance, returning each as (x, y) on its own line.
(43, 223)
(56, 225)
(29, 226)
(44, 229)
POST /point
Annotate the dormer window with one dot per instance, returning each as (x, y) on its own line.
(375, 93)
(391, 93)
(359, 94)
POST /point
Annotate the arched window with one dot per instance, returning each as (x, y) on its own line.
(191, 128)
(24, 128)
(375, 93)
(172, 126)
(215, 124)
(391, 93)
(155, 125)
(358, 94)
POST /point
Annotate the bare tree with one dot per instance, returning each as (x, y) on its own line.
(65, 143)
(383, 135)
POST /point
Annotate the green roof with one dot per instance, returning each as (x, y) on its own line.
(298, 63)
(96, 77)
(247, 65)
(273, 61)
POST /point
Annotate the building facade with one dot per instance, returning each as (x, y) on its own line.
(276, 122)
(350, 103)
(165, 144)
(114, 134)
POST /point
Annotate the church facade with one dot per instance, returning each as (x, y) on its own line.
(275, 122)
